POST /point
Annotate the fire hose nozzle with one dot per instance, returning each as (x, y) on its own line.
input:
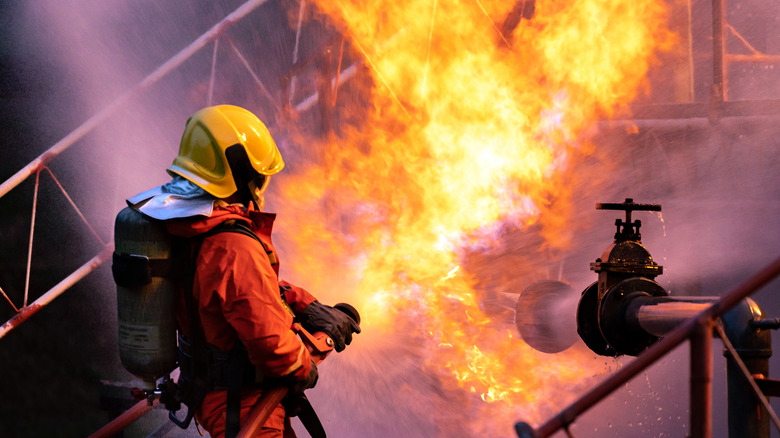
(319, 343)
(349, 310)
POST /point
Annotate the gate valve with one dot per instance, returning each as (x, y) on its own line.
(626, 271)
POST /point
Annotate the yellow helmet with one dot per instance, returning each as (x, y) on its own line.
(213, 137)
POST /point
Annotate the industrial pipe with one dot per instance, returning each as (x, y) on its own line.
(630, 320)
(627, 312)
(545, 316)
(748, 417)
(660, 315)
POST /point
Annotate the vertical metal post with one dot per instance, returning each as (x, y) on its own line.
(691, 62)
(701, 380)
(719, 73)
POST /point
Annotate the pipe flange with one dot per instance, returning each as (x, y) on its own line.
(626, 338)
(588, 325)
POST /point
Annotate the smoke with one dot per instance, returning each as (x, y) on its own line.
(715, 181)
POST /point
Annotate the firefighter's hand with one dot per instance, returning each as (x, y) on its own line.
(296, 400)
(299, 386)
(318, 317)
(294, 404)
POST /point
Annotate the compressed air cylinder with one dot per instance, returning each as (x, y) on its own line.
(145, 296)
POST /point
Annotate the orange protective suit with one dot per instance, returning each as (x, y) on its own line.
(236, 291)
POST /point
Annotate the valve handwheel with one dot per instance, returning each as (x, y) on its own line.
(630, 230)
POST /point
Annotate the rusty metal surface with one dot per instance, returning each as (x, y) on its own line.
(701, 380)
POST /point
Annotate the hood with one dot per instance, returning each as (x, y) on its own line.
(176, 199)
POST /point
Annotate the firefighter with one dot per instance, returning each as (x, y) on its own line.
(235, 316)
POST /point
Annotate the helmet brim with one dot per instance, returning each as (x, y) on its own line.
(216, 190)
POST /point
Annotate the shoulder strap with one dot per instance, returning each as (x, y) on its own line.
(232, 227)
(241, 228)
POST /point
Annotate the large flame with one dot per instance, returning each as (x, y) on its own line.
(470, 127)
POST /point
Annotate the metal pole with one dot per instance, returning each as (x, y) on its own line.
(701, 380)
(720, 88)
(325, 90)
(343, 76)
(119, 423)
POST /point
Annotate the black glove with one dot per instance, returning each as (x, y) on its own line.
(318, 317)
(295, 397)
(298, 386)
(294, 403)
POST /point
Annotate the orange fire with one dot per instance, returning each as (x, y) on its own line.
(469, 129)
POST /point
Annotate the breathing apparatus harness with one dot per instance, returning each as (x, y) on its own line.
(204, 368)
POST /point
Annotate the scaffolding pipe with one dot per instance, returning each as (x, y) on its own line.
(342, 77)
(28, 311)
(758, 57)
(719, 73)
(119, 423)
(147, 82)
(649, 356)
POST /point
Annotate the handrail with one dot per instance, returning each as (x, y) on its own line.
(119, 423)
(27, 311)
(649, 356)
